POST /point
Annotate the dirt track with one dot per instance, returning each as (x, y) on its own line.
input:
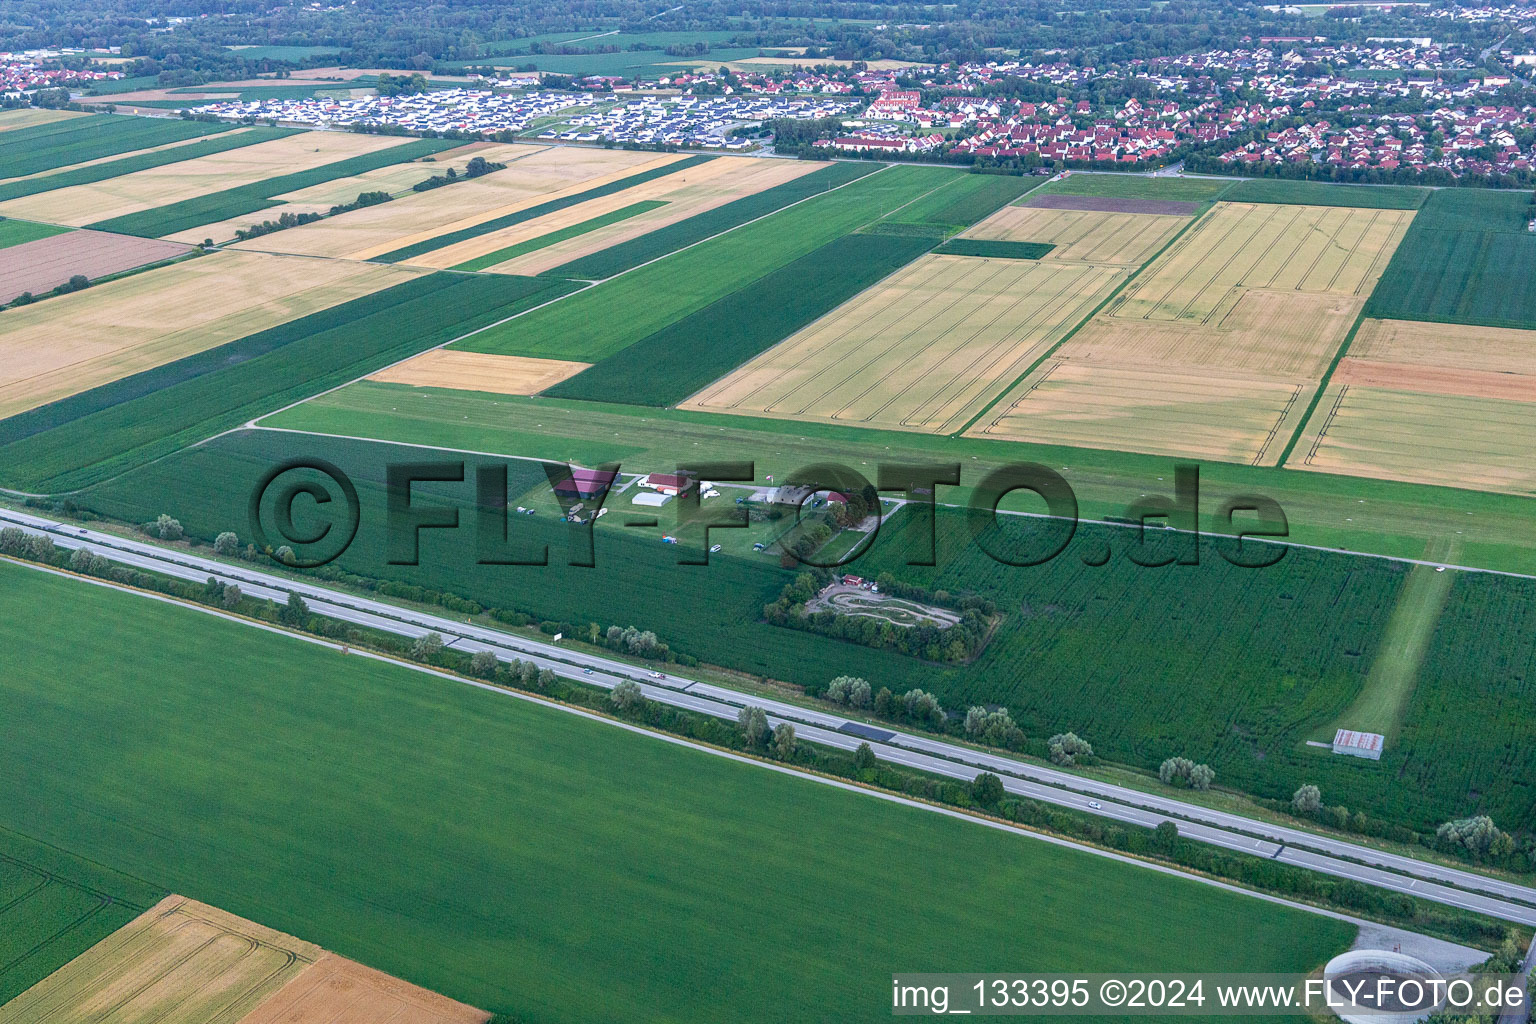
(43, 265)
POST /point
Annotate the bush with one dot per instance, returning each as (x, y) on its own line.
(1181, 771)
(425, 648)
(626, 697)
(1307, 800)
(1067, 747)
(850, 690)
(987, 790)
(994, 728)
(226, 544)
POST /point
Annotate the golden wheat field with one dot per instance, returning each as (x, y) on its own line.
(1180, 411)
(1455, 440)
(84, 339)
(925, 349)
(1217, 346)
(686, 193)
(1088, 236)
(533, 175)
(1242, 246)
(479, 371)
(186, 179)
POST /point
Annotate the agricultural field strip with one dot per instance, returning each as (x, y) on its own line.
(667, 366)
(634, 253)
(485, 227)
(1205, 277)
(544, 241)
(683, 281)
(981, 317)
(120, 329)
(59, 143)
(678, 196)
(53, 260)
(106, 168)
(1232, 831)
(63, 458)
(695, 194)
(221, 205)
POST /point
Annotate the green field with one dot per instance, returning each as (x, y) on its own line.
(1404, 643)
(1496, 531)
(18, 232)
(496, 224)
(666, 367)
(1467, 258)
(617, 313)
(544, 241)
(1099, 650)
(509, 855)
(98, 433)
(994, 249)
(141, 162)
(53, 907)
(965, 201)
(74, 140)
(1317, 193)
(1140, 186)
(243, 199)
(630, 254)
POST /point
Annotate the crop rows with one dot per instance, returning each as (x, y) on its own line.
(671, 364)
(46, 146)
(160, 221)
(496, 224)
(630, 254)
(548, 239)
(142, 161)
(1319, 193)
(617, 313)
(104, 431)
(1467, 258)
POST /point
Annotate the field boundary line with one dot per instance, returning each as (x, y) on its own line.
(998, 824)
(1115, 293)
(1322, 386)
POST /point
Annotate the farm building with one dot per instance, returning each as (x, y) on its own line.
(1358, 744)
(667, 483)
(653, 499)
(585, 484)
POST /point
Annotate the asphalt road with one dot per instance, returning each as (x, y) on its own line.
(1441, 884)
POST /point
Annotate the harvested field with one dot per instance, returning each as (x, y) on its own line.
(26, 117)
(1083, 235)
(1449, 439)
(78, 341)
(533, 175)
(479, 371)
(1275, 247)
(335, 990)
(686, 193)
(187, 179)
(1111, 204)
(926, 349)
(1180, 412)
(1499, 350)
(180, 962)
(43, 264)
(1437, 380)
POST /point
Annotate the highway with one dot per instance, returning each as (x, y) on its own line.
(1442, 884)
